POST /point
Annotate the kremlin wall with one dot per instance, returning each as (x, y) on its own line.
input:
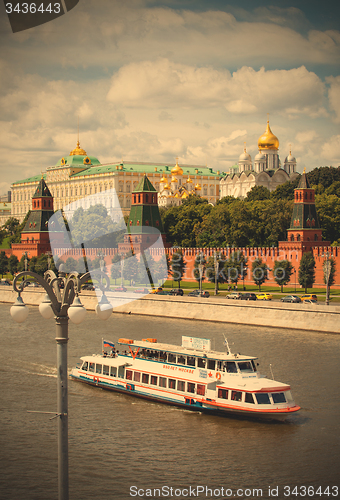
(141, 188)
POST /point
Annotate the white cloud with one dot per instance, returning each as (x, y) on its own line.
(334, 96)
(166, 84)
(331, 151)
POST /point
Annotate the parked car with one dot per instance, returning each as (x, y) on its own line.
(163, 292)
(120, 289)
(197, 293)
(5, 283)
(177, 291)
(233, 295)
(156, 290)
(291, 298)
(309, 301)
(141, 290)
(34, 284)
(247, 296)
(309, 297)
(88, 286)
(264, 296)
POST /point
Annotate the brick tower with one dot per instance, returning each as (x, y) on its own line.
(305, 231)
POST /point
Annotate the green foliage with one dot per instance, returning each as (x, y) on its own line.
(216, 263)
(333, 189)
(282, 271)
(306, 276)
(235, 267)
(328, 209)
(331, 268)
(260, 272)
(3, 263)
(95, 227)
(258, 193)
(199, 267)
(116, 267)
(177, 266)
(13, 263)
(285, 191)
(324, 176)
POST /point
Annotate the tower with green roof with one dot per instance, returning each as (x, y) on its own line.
(144, 218)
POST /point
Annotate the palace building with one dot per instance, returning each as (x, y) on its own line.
(78, 175)
(266, 171)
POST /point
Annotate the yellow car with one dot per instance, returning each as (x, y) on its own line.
(264, 296)
(311, 296)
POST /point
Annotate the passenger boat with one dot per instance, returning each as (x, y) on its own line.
(192, 376)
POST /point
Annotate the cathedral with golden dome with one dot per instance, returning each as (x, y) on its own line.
(266, 170)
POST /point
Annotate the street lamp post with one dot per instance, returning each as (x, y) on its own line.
(62, 302)
(327, 271)
(216, 265)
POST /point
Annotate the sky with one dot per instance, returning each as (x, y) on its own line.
(154, 80)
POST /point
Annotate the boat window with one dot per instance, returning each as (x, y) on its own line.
(211, 364)
(85, 366)
(172, 383)
(231, 367)
(181, 360)
(201, 362)
(191, 361)
(171, 358)
(219, 365)
(245, 366)
(262, 398)
(128, 374)
(99, 368)
(162, 381)
(191, 387)
(236, 395)
(91, 368)
(200, 389)
(278, 397)
(254, 366)
(113, 371)
(153, 380)
(106, 370)
(136, 376)
(164, 356)
(145, 378)
(223, 393)
(180, 385)
(249, 398)
(121, 372)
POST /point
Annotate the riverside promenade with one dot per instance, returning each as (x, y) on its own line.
(308, 317)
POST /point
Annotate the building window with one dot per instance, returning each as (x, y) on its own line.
(201, 389)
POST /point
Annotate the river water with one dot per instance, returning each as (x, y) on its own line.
(122, 447)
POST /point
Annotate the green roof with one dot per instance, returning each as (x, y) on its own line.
(144, 186)
(35, 178)
(78, 161)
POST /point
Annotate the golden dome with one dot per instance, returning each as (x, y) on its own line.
(185, 195)
(268, 140)
(173, 178)
(189, 181)
(177, 169)
(198, 187)
(78, 151)
(166, 186)
(163, 179)
(176, 195)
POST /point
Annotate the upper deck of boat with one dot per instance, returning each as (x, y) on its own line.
(188, 351)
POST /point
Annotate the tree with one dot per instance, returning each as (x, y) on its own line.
(260, 272)
(13, 263)
(215, 270)
(177, 266)
(199, 268)
(235, 267)
(3, 263)
(282, 271)
(116, 267)
(258, 193)
(285, 191)
(70, 265)
(306, 276)
(131, 267)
